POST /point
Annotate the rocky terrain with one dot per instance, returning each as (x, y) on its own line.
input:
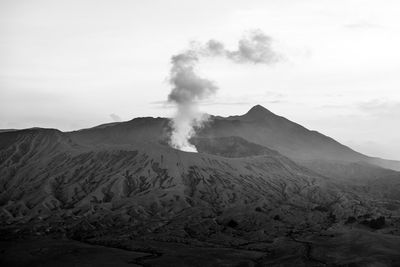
(262, 191)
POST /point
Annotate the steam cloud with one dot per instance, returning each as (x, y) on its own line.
(188, 88)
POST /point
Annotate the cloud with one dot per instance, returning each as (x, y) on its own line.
(384, 148)
(188, 87)
(362, 25)
(381, 107)
(255, 47)
(115, 117)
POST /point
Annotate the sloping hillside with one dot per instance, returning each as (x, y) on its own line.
(44, 171)
(263, 127)
(121, 185)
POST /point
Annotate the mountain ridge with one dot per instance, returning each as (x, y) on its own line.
(278, 133)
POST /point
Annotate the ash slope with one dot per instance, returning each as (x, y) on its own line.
(251, 160)
(258, 177)
(47, 172)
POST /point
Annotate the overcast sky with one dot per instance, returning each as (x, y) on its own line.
(76, 64)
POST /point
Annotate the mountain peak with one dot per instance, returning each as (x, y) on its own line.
(258, 112)
(258, 108)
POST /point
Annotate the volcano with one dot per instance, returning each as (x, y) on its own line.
(261, 191)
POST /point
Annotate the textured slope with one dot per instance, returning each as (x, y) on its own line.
(121, 185)
(44, 170)
(45, 174)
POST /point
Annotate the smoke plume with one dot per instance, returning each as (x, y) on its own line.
(188, 88)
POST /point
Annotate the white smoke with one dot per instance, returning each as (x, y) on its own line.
(187, 118)
(188, 88)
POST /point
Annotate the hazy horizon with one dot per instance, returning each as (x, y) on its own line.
(73, 64)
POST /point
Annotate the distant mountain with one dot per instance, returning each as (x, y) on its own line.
(259, 126)
(384, 163)
(7, 130)
(263, 127)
